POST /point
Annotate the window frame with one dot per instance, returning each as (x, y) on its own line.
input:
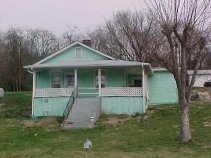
(76, 52)
(57, 71)
(96, 72)
(65, 79)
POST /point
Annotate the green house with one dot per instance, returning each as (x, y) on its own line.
(79, 71)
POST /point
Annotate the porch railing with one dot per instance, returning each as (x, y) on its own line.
(53, 92)
(69, 106)
(121, 91)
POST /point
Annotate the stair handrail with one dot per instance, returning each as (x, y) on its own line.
(69, 105)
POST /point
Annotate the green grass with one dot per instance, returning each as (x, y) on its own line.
(156, 137)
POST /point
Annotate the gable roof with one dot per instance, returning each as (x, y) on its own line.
(70, 63)
(71, 45)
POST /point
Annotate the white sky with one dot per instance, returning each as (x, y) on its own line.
(58, 15)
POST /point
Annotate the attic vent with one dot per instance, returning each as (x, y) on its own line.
(78, 52)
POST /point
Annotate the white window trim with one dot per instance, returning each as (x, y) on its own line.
(65, 78)
(60, 76)
(76, 54)
(96, 70)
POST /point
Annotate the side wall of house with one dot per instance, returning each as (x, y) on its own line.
(122, 105)
(162, 88)
(43, 79)
(50, 106)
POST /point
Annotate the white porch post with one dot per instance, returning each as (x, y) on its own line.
(75, 82)
(75, 79)
(99, 81)
(33, 91)
(143, 89)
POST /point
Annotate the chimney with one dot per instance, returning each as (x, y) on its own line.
(88, 43)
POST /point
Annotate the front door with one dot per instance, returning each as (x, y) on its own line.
(137, 83)
(69, 80)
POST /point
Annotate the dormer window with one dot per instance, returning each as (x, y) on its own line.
(78, 52)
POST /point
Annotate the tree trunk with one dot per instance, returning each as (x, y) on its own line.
(185, 134)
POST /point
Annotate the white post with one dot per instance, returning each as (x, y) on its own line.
(99, 81)
(33, 91)
(143, 89)
(76, 77)
(147, 90)
(75, 82)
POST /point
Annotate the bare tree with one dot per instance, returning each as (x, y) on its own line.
(183, 28)
(71, 35)
(131, 32)
(41, 43)
(103, 41)
(13, 49)
(20, 47)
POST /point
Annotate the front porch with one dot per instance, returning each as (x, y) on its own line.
(90, 82)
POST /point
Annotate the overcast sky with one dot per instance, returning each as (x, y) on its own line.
(58, 15)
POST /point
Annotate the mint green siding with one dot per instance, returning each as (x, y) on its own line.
(162, 88)
(122, 105)
(55, 106)
(115, 77)
(69, 54)
(86, 80)
(43, 79)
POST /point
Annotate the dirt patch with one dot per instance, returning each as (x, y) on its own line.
(207, 124)
(201, 94)
(16, 157)
(26, 113)
(29, 123)
(114, 120)
(46, 122)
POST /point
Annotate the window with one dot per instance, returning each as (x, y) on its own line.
(137, 82)
(56, 79)
(103, 78)
(78, 52)
(70, 80)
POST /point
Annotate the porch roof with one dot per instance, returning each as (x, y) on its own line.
(91, 63)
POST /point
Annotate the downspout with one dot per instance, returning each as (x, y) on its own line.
(143, 89)
(33, 88)
(33, 92)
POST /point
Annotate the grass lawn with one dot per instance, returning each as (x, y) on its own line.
(113, 137)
